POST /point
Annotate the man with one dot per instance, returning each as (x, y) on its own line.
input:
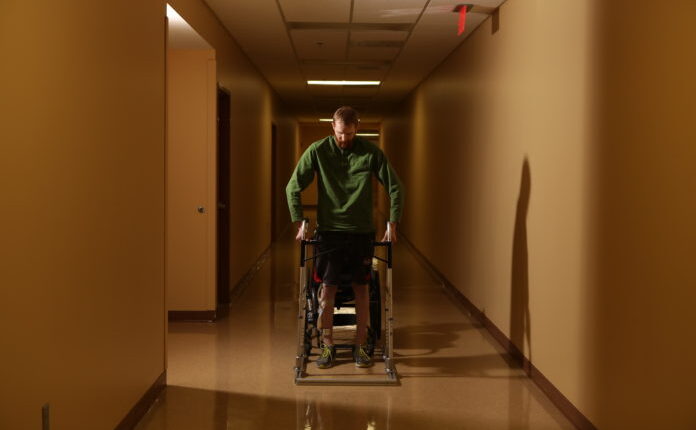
(344, 165)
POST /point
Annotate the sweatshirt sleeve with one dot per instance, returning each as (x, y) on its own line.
(300, 179)
(392, 184)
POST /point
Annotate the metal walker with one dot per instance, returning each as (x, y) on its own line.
(305, 306)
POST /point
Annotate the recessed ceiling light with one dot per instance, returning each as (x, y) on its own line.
(344, 82)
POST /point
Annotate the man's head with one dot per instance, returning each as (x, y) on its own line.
(345, 125)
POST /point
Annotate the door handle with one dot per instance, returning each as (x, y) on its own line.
(200, 209)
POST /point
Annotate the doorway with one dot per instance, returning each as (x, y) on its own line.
(274, 183)
(223, 202)
(191, 185)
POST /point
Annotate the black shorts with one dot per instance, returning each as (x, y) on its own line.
(344, 253)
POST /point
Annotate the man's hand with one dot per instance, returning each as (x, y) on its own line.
(298, 224)
(394, 235)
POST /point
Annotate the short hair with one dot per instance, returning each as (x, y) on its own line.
(346, 114)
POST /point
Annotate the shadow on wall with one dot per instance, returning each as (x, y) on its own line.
(520, 326)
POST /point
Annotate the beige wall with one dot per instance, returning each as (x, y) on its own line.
(191, 180)
(82, 136)
(549, 169)
(288, 139)
(643, 284)
(82, 256)
(254, 107)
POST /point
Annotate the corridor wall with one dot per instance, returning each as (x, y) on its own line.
(546, 167)
(254, 107)
(82, 133)
(286, 149)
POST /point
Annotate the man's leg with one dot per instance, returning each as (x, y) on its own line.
(361, 262)
(362, 311)
(327, 296)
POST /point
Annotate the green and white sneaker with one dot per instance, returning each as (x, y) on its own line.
(327, 357)
(362, 358)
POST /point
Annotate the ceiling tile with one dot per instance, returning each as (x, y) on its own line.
(325, 90)
(243, 20)
(279, 70)
(387, 10)
(325, 72)
(313, 11)
(432, 40)
(320, 44)
(363, 70)
(369, 35)
(353, 92)
(359, 53)
(350, 63)
(261, 28)
(366, 73)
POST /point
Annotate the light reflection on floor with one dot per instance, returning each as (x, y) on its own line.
(237, 373)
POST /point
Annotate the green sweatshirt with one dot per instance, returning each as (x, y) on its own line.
(344, 184)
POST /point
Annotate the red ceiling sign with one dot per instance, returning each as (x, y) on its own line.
(462, 9)
(462, 21)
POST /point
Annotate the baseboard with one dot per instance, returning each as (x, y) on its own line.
(138, 411)
(557, 398)
(222, 309)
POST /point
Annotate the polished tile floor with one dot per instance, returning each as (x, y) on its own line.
(237, 373)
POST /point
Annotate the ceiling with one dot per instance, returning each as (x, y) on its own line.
(398, 42)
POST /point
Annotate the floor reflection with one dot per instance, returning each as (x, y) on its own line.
(237, 373)
(179, 408)
(324, 411)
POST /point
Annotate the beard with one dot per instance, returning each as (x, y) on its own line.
(345, 144)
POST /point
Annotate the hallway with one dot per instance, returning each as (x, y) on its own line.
(546, 150)
(237, 373)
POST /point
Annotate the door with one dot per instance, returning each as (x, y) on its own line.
(191, 184)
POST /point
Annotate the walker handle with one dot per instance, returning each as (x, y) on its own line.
(304, 227)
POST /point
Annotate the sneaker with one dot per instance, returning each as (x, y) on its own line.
(362, 358)
(326, 359)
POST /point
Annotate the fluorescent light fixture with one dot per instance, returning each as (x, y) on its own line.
(367, 134)
(331, 120)
(344, 82)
